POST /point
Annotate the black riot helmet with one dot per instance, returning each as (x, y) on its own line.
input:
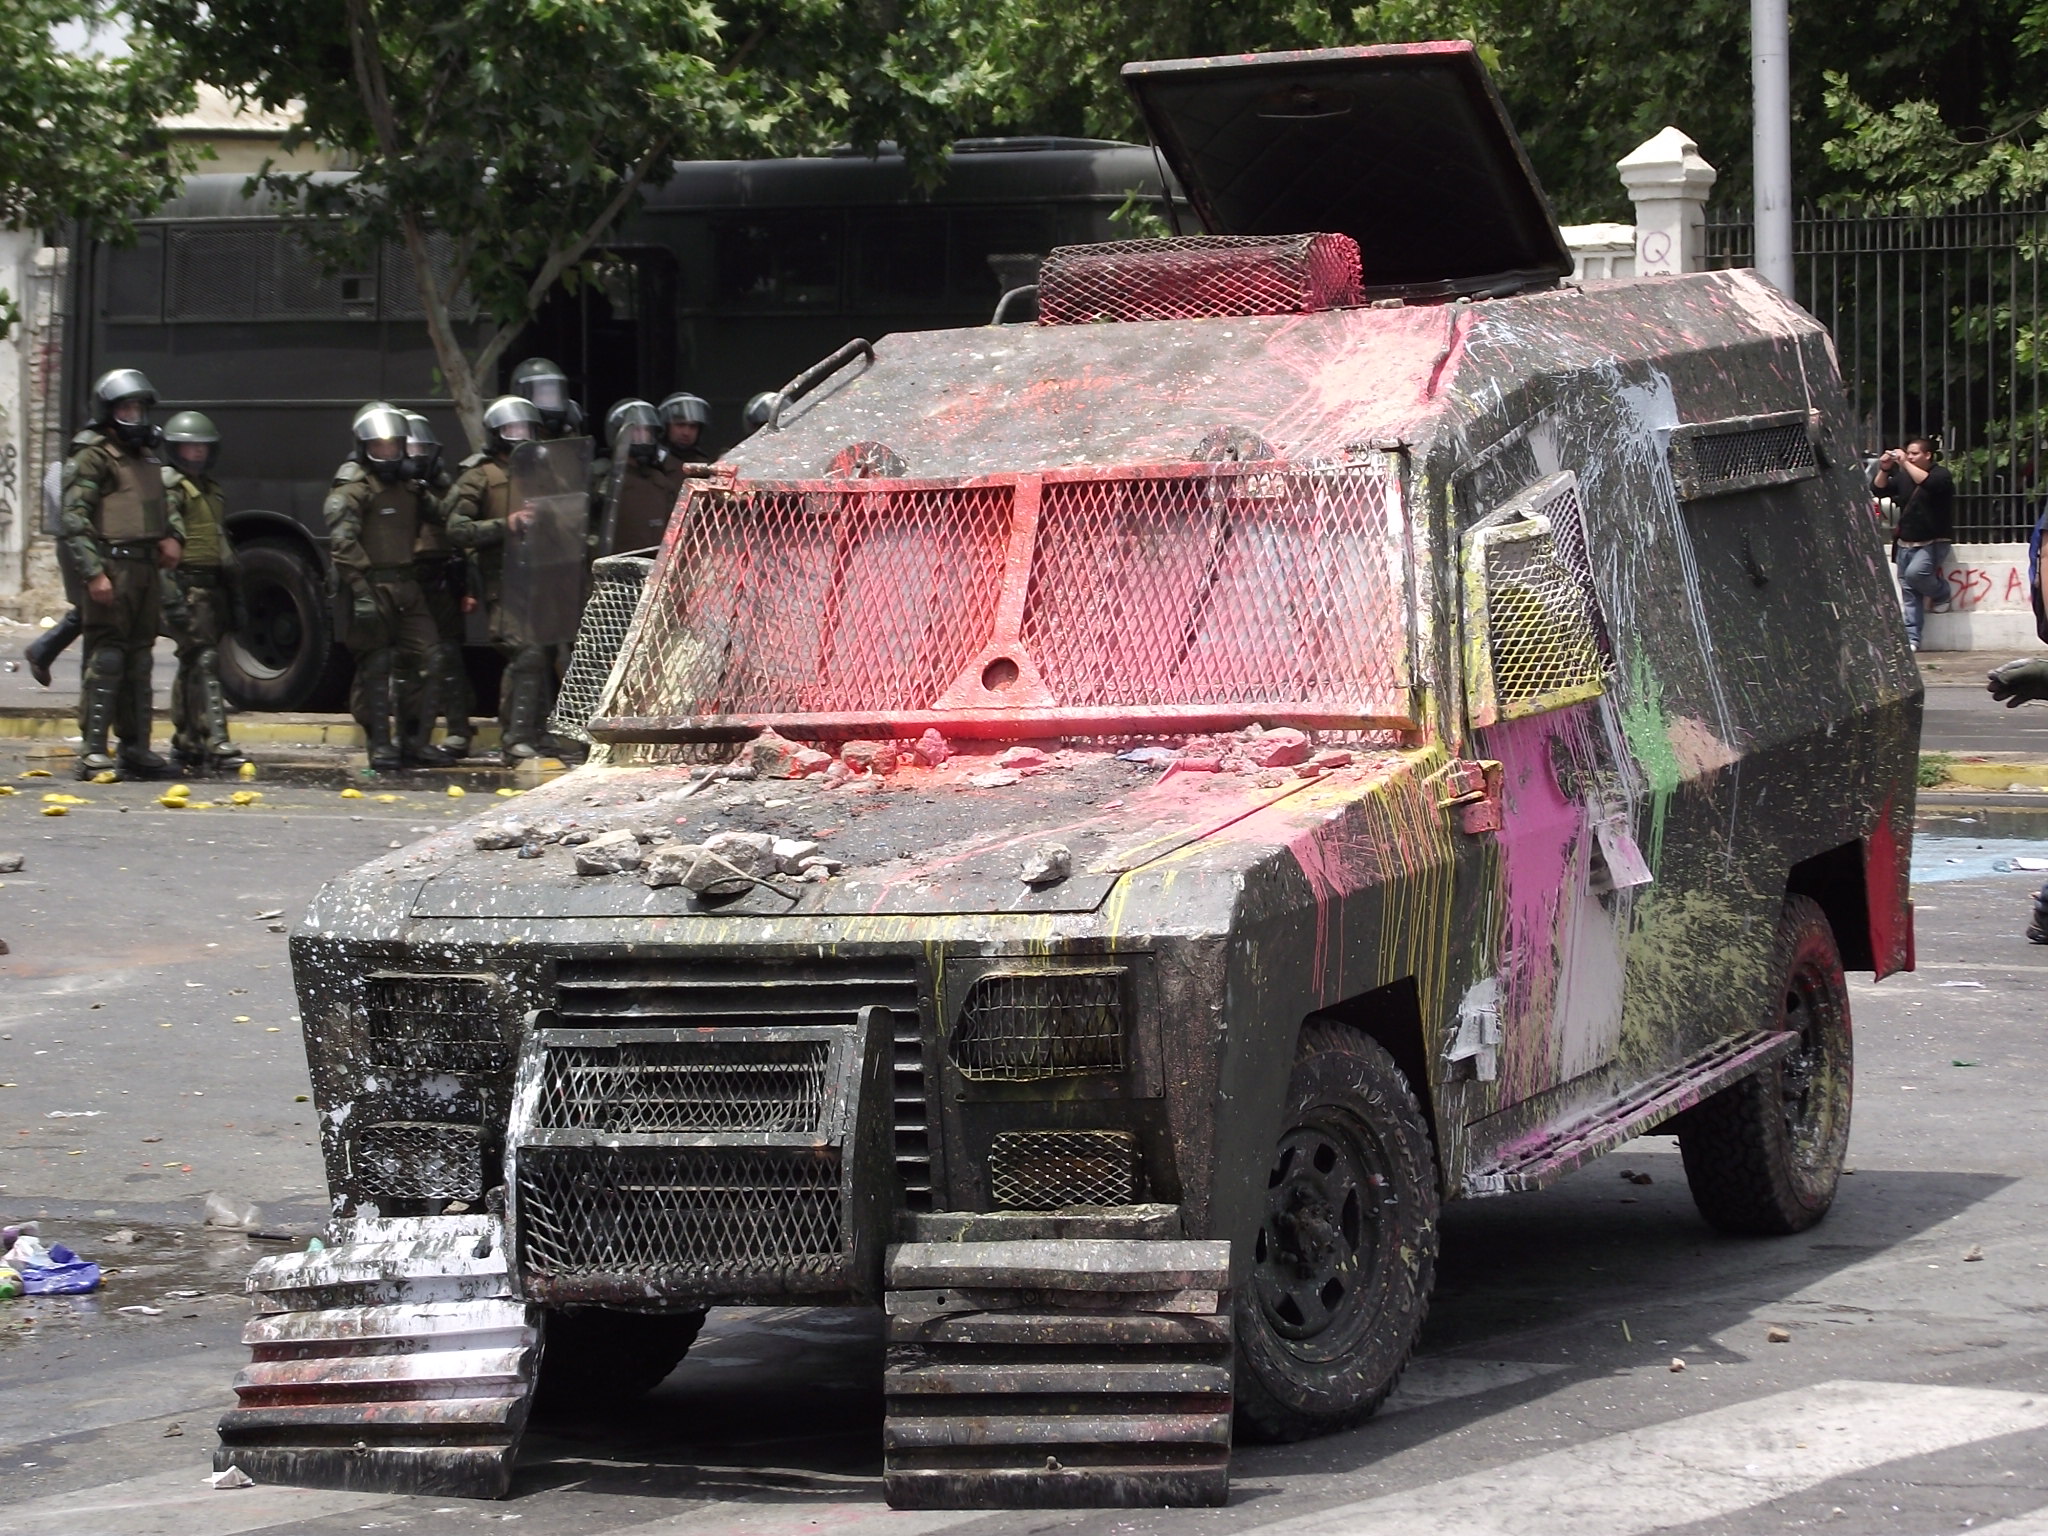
(541, 382)
(636, 432)
(380, 442)
(194, 442)
(617, 414)
(510, 419)
(422, 446)
(684, 418)
(121, 399)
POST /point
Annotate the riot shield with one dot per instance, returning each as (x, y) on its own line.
(547, 559)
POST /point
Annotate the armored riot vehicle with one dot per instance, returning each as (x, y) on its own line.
(1105, 825)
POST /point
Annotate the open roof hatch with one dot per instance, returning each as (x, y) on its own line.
(1406, 148)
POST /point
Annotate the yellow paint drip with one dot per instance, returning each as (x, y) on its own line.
(246, 796)
(351, 793)
(56, 810)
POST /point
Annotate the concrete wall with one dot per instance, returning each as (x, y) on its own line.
(1991, 610)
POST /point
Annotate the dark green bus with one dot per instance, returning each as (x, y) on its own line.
(731, 279)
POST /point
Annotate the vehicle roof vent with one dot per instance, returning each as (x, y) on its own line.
(1199, 277)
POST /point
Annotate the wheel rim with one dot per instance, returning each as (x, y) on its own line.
(1810, 1081)
(1319, 1259)
(275, 634)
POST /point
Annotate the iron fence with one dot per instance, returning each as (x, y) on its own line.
(1938, 320)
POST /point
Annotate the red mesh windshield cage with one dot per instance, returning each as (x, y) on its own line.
(1065, 603)
(1202, 275)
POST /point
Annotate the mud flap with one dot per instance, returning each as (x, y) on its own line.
(1062, 1372)
(395, 1361)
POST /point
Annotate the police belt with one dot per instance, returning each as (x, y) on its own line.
(405, 572)
(201, 575)
(132, 549)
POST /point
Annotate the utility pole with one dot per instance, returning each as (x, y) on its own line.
(1770, 75)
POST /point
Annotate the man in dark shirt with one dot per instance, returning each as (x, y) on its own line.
(1925, 493)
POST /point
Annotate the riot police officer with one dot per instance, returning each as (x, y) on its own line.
(546, 388)
(443, 574)
(207, 581)
(374, 512)
(481, 518)
(645, 480)
(118, 528)
(684, 420)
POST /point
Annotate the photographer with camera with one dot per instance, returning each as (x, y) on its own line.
(1925, 494)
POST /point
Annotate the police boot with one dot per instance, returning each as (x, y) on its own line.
(219, 750)
(522, 717)
(2037, 930)
(373, 710)
(96, 702)
(450, 692)
(51, 644)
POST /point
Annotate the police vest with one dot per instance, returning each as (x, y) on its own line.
(205, 513)
(136, 507)
(391, 522)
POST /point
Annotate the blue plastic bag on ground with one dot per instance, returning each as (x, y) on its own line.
(52, 1271)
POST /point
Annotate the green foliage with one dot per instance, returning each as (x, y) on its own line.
(1934, 767)
(79, 140)
(78, 136)
(519, 133)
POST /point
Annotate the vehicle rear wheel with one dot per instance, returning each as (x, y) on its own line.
(286, 659)
(1763, 1155)
(592, 1359)
(1345, 1255)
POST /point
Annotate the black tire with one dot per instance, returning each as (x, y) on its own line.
(1345, 1256)
(1763, 1156)
(286, 659)
(592, 1359)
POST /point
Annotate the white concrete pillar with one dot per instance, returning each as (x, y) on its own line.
(18, 509)
(1668, 180)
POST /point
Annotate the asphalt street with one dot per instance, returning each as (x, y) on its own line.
(149, 1055)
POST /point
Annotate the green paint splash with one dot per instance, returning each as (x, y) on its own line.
(1642, 722)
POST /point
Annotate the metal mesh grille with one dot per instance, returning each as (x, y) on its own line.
(1568, 542)
(212, 272)
(615, 586)
(445, 1023)
(718, 1214)
(1021, 1027)
(1761, 452)
(419, 1160)
(1044, 1170)
(1262, 586)
(1536, 612)
(685, 1086)
(401, 288)
(1204, 275)
(803, 600)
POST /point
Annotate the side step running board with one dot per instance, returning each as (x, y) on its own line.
(395, 1361)
(1062, 1372)
(1554, 1152)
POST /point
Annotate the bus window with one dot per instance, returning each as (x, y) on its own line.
(899, 260)
(981, 233)
(213, 271)
(778, 260)
(134, 279)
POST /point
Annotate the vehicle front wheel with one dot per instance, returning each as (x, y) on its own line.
(592, 1359)
(1763, 1155)
(286, 658)
(1345, 1255)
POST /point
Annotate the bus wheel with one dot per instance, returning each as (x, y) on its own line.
(1345, 1255)
(592, 1359)
(1763, 1155)
(286, 659)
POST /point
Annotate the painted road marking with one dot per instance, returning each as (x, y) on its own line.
(1693, 1468)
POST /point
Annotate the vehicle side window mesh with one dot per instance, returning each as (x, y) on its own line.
(1743, 453)
(1534, 636)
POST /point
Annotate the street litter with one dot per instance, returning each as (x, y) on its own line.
(73, 1114)
(232, 1477)
(1977, 985)
(226, 1211)
(139, 1311)
(51, 1271)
